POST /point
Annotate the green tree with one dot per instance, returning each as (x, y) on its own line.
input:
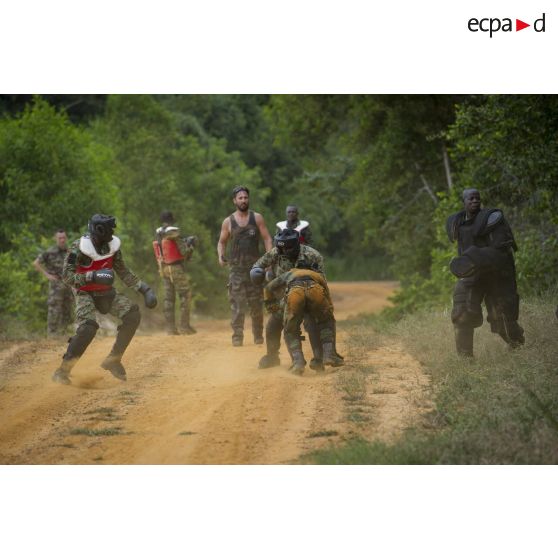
(52, 174)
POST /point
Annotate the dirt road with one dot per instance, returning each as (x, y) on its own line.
(197, 399)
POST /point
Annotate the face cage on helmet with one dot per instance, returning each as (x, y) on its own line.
(288, 247)
(104, 230)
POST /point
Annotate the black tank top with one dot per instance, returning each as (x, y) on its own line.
(245, 243)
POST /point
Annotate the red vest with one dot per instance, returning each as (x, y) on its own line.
(98, 261)
(171, 254)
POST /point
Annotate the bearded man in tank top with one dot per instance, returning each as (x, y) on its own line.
(244, 229)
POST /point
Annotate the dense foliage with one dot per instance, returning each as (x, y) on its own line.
(376, 176)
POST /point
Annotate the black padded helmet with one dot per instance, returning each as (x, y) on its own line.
(288, 243)
(101, 227)
(166, 217)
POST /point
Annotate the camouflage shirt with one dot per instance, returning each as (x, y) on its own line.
(307, 257)
(53, 260)
(76, 257)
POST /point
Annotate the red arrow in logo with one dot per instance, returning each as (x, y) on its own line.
(519, 25)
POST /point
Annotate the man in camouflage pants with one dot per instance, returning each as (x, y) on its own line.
(288, 253)
(172, 251)
(244, 229)
(89, 268)
(306, 294)
(60, 297)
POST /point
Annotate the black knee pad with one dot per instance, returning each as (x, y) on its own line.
(80, 341)
(132, 318)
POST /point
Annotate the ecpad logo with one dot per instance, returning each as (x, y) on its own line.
(492, 25)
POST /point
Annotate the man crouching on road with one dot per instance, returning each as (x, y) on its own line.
(89, 268)
(306, 293)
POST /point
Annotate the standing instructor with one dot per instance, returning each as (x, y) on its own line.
(244, 229)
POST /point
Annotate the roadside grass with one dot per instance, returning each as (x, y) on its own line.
(104, 414)
(500, 408)
(96, 431)
(323, 434)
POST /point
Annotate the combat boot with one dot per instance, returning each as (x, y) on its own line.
(269, 361)
(114, 365)
(299, 363)
(188, 330)
(62, 374)
(331, 358)
(317, 364)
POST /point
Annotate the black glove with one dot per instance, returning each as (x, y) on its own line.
(100, 277)
(192, 241)
(148, 295)
(272, 305)
(257, 275)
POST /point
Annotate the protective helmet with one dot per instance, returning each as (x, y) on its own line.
(101, 227)
(288, 243)
(167, 217)
(257, 275)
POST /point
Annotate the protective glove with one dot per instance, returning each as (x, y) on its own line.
(272, 306)
(462, 266)
(100, 277)
(257, 275)
(148, 295)
(192, 241)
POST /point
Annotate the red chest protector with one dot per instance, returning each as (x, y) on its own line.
(171, 254)
(98, 261)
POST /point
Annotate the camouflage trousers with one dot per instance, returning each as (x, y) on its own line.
(274, 327)
(243, 293)
(307, 298)
(60, 301)
(85, 307)
(175, 281)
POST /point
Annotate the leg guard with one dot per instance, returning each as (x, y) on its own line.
(273, 330)
(467, 297)
(80, 341)
(126, 330)
(294, 347)
(464, 340)
(313, 331)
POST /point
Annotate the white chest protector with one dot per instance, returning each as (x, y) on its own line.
(282, 225)
(87, 247)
